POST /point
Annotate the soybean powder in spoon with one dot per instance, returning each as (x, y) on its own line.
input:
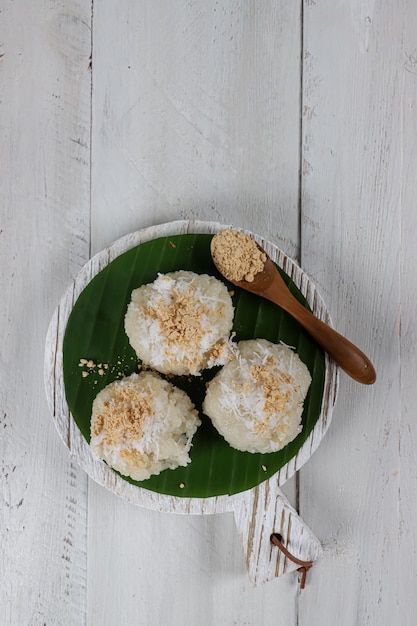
(237, 256)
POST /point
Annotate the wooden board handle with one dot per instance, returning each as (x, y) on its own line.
(258, 514)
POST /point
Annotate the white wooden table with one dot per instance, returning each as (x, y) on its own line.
(297, 121)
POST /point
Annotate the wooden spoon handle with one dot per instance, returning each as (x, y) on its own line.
(352, 360)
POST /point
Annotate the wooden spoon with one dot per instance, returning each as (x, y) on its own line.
(270, 285)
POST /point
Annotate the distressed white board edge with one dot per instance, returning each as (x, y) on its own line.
(258, 511)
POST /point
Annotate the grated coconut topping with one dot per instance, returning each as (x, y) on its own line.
(142, 425)
(181, 323)
(256, 400)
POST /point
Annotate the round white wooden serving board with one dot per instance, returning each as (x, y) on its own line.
(259, 511)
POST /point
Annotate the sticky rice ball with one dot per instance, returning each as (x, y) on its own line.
(142, 424)
(180, 324)
(256, 401)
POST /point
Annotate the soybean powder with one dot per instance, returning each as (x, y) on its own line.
(237, 256)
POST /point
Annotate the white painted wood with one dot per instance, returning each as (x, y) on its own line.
(196, 115)
(359, 104)
(406, 454)
(260, 511)
(44, 240)
(174, 569)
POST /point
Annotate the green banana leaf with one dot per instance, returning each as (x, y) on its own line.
(95, 331)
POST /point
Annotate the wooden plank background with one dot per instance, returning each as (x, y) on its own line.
(296, 120)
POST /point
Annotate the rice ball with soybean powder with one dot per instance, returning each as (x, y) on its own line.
(180, 324)
(256, 401)
(142, 425)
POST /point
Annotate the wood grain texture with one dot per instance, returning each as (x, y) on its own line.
(406, 461)
(166, 563)
(358, 100)
(196, 116)
(44, 240)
